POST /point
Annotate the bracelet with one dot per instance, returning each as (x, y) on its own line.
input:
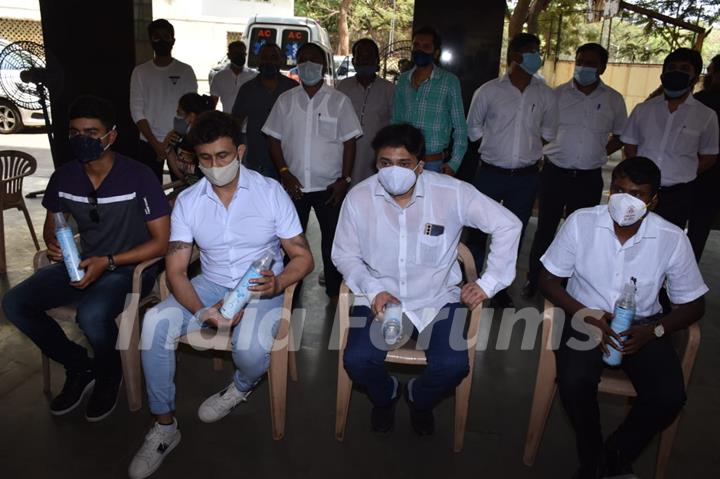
(283, 169)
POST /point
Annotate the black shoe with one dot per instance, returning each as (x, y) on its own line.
(382, 419)
(614, 465)
(502, 300)
(103, 400)
(77, 385)
(529, 290)
(422, 420)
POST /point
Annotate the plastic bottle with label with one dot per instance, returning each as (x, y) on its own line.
(71, 255)
(392, 328)
(239, 297)
(623, 318)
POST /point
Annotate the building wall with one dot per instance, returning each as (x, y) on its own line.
(203, 27)
(20, 20)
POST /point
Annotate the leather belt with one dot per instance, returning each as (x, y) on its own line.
(571, 171)
(525, 171)
(437, 156)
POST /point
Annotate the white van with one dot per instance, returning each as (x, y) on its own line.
(289, 33)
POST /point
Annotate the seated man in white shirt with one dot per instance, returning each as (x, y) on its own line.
(396, 242)
(233, 215)
(599, 250)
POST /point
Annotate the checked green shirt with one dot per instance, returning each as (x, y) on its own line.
(436, 109)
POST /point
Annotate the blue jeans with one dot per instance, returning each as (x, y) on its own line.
(447, 357)
(252, 340)
(516, 193)
(97, 307)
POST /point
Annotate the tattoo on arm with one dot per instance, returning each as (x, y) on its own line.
(176, 246)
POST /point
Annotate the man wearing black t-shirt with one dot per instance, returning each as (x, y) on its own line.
(123, 219)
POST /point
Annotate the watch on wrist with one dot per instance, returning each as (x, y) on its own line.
(111, 263)
(347, 179)
(659, 330)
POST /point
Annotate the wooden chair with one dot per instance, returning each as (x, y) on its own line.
(128, 323)
(409, 355)
(612, 382)
(281, 358)
(14, 167)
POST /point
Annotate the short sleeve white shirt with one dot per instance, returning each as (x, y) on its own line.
(226, 84)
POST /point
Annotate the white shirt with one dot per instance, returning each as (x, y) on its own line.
(226, 84)
(512, 124)
(585, 123)
(587, 251)
(230, 239)
(312, 132)
(673, 140)
(380, 246)
(374, 108)
(155, 92)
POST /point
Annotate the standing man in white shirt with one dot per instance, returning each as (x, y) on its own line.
(233, 215)
(591, 117)
(677, 132)
(598, 251)
(372, 98)
(397, 242)
(155, 90)
(311, 131)
(514, 115)
(227, 82)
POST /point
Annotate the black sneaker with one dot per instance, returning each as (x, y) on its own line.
(502, 300)
(422, 420)
(77, 385)
(382, 419)
(615, 466)
(103, 400)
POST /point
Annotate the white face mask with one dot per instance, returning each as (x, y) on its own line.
(310, 73)
(221, 175)
(397, 180)
(625, 209)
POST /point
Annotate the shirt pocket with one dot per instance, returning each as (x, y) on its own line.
(533, 118)
(429, 249)
(687, 141)
(601, 121)
(327, 127)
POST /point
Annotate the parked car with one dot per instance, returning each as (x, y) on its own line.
(14, 118)
(344, 66)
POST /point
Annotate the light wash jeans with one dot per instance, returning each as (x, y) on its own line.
(252, 340)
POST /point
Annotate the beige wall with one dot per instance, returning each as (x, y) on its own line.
(634, 81)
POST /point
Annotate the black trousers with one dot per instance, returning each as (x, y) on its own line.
(561, 192)
(675, 203)
(327, 216)
(147, 156)
(656, 374)
(705, 207)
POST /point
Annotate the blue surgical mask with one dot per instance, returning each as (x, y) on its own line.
(585, 76)
(531, 62)
(421, 58)
(310, 73)
(675, 83)
(180, 125)
(86, 148)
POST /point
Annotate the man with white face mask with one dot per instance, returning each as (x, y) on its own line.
(396, 242)
(598, 250)
(311, 132)
(234, 215)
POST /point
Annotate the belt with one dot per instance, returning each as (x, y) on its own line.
(437, 156)
(571, 171)
(524, 171)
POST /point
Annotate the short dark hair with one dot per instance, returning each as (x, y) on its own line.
(639, 170)
(520, 41)
(312, 46)
(685, 55)
(195, 103)
(716, 62)
(160, 24)
(237, 44)
(428, 30)
(272, 45)
(367, 42)
(90, 106)
(212, 125)
(595, 48)
(401, 135)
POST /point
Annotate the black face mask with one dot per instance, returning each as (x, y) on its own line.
(237, 60)
(675, 80)
(86, 148)
(162, 48)
(269, 70)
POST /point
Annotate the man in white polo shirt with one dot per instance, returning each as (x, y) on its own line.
(591, 117)
(233, 215)
(312, 130)
(227, 82)
(677, 132)
(599, 250)
(397, 242)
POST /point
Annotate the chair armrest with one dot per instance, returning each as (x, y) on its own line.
(344, 303)
(691, 350)
(173, 184)
(138, 272)
(40, 260)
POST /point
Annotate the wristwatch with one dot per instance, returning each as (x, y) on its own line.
(111, 263)
(347, 179)
(659, 330)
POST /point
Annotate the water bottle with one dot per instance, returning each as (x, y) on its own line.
(236, 299)
(622, 319)
(392, 323)
(69, 249)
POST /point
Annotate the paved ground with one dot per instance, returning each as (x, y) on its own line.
(33, 444)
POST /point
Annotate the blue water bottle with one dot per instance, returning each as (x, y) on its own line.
(236, 299)
(623, 317)
(69, 248)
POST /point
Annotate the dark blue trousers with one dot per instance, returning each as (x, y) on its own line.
(446, 352)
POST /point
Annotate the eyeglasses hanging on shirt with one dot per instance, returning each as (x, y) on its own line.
(362, 109)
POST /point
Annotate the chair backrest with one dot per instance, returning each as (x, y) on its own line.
(16, 165)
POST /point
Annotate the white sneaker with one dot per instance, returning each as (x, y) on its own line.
(152, 453)
(219, 405)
